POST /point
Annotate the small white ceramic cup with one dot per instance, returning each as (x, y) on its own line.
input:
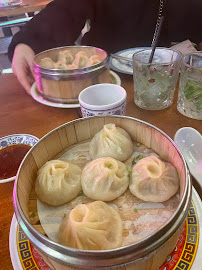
(103, 99)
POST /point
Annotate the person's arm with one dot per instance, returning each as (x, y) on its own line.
(59, 24)
(200, 46)
(184, 20)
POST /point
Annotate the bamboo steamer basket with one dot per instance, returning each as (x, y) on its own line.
(147, 254)
(64, 86)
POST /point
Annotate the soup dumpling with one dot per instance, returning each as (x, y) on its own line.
(111, 141)
(71, 66)
(93, 226)
(104, 179)
(154, 180)
(93, 60)
(81, 59)
(66, 57)
(47, 62)
(60, 65)
(58, 182)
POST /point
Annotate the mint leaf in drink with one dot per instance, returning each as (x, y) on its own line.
(199, 103)
(192, 89)
(193, 92)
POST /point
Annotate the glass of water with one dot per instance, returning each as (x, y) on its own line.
(155, 82)
(190, 88)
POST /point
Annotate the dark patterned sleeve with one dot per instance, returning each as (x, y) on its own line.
(185, 20)
(58, 24)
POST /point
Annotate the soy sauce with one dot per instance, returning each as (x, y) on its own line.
(10, 159)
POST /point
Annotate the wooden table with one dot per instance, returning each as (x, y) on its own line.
(19, 113)
(27, 6)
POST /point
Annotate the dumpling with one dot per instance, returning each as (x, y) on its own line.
(93, 226)
(58, 182)
(93, 60)
(81, 59)
(154, 180)
(47, 62)
(66, 57)
(60, 65)
(104, 179)
(72, 66)
(111, 141)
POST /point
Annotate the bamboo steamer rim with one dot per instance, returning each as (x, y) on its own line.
(62, 72)
(105, 258)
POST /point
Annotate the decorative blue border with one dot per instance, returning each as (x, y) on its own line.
(18, 139)
(182, 261)
(118, 110)
(119, 53)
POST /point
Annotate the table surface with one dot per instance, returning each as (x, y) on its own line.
(26, 7)
(19, 113)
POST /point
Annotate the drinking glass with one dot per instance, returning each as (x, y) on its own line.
(190, 88)
(155, 82)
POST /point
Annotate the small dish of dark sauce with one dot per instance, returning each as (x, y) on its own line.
(10, 159)
(13, 148)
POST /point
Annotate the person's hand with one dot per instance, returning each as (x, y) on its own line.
(22, 65)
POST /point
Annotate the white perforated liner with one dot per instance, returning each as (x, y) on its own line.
(140, 218)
